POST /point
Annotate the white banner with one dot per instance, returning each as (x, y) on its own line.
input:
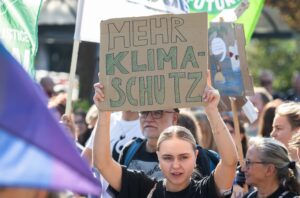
(91, 12)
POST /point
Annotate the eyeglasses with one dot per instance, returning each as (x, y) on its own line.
(154, 114)
(248, 163)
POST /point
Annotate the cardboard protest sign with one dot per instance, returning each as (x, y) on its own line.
(155, 62)
(227, 58)
(229, 68)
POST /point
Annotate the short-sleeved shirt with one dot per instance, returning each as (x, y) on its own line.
(136, 184)
(280, 192)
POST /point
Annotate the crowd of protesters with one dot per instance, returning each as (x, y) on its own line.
(158, 143)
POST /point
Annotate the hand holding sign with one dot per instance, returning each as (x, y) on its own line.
(99, 95)
(211, 95)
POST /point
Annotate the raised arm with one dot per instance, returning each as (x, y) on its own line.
(109, 169)
(225, 170)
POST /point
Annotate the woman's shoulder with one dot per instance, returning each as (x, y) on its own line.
(288, 194)
(280, 192)
(251, 194)
(135, 184)
(205, 187)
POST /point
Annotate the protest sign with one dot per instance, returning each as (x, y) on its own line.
(155, 62)
(228, 62)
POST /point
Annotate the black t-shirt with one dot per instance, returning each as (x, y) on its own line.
(280, 192)
(136, 184)
(143, 161)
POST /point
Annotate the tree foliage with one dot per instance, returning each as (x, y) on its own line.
(280, 56)
(290, 11)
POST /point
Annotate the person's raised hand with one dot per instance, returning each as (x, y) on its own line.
(211, 95)
(69, 124)
(99, 95)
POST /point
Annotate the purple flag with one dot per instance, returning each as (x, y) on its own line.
(35, 151)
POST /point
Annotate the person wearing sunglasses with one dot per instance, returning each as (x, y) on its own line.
(269, 169)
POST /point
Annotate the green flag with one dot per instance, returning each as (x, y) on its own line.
(246, 12)
(18, 30)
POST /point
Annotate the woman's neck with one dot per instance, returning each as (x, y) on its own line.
(267, 188)
(176, 187)
(151, 145)
(294, 156)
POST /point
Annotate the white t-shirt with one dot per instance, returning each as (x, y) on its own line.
(121, 132)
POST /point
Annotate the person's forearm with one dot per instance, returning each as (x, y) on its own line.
(101, 148)
(87, 155)
(222, 137)
(109, 169)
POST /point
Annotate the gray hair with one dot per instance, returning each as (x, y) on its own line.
(274, 152)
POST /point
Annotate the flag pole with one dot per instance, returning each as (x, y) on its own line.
(237, 136)
(72, 76)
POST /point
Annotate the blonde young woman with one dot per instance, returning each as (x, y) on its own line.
(286, 123)
(176, 150)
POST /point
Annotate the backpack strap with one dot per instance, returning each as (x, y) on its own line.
(214, 159)
(207, 160)
(136, 144)
(202, 162)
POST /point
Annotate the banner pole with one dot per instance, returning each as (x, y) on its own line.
(72, 76)
(237, 135)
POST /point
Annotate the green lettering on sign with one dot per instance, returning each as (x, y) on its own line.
(163, 57)
(189, 56)
(145, 90)
(150, 58)
(116, 82)
(176, 76)
(129, 85)
(112, 62)
(135, 66)
(197, 76)
(159, 89)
